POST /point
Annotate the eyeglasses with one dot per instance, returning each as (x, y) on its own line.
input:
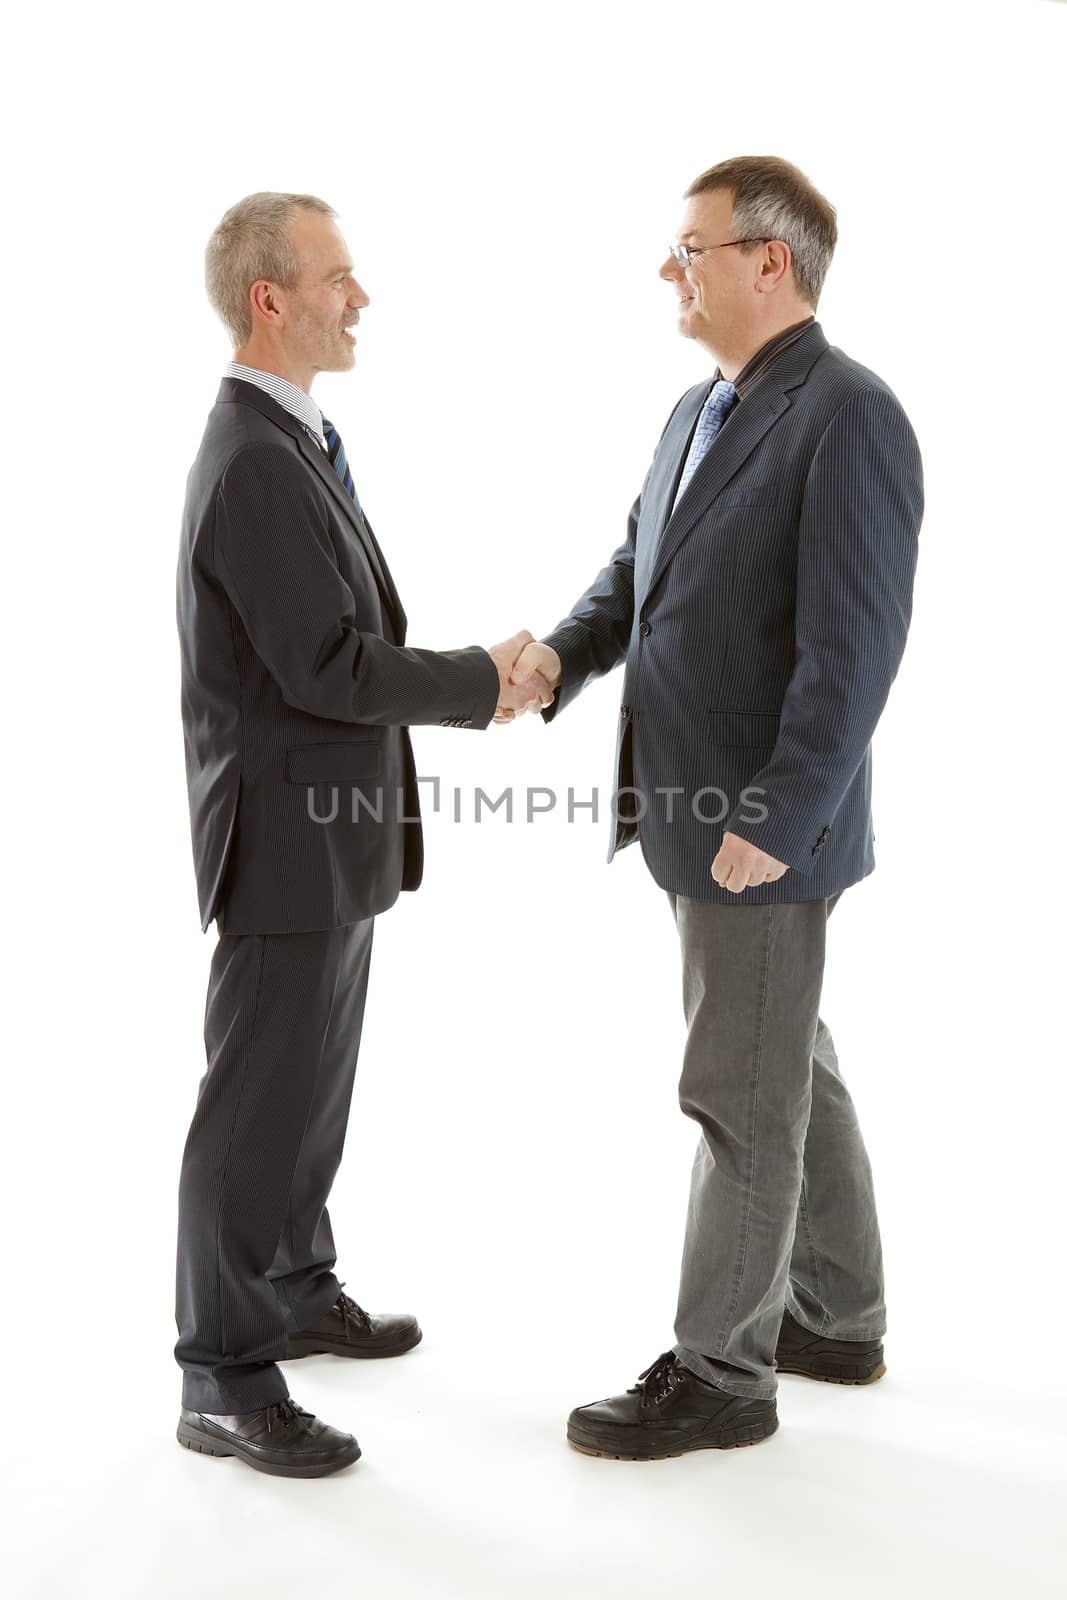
(684, 253)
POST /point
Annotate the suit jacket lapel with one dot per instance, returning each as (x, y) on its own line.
(234, 389)
(313, 454)
(741, 433)
(656, 501)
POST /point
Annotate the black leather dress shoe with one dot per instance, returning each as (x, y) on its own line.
(829, 1360)
(348, 1330)
(283, 1439)
(670, 1412)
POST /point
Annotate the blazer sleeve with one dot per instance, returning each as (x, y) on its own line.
(857, 549)
(275, 560)
(595, 636)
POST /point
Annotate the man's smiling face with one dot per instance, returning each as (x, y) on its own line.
(717, 285)
(326, 302)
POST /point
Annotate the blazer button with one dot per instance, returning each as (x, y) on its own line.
(468, 722)
(624, 711)
(645, 629)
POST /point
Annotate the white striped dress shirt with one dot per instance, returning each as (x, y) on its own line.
(296, 402)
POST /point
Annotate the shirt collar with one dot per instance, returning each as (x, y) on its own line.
(294, 400)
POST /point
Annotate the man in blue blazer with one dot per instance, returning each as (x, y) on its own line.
(760, 604)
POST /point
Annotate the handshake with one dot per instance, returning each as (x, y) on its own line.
(529, 675)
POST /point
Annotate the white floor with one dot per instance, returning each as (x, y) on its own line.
(923, 1484)
(517, 1174)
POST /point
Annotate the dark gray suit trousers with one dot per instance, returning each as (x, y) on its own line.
(256, 1252)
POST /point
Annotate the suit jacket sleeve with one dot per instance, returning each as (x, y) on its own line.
(595, 636)
(274, 558)
(856, 555)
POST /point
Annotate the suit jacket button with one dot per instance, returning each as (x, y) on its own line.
(624, 711)
(645, 629)
(468, 722)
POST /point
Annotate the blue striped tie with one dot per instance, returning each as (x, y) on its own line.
(338, 460)
(712, 417)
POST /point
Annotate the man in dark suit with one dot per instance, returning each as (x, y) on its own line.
(297, 693)
(760, 603)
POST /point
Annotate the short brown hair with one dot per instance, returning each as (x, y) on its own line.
(774, 200)
(251, 242)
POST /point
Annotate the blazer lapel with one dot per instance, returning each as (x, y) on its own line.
(742, 432)
(657, 497)
(372, 549)
(249, 394)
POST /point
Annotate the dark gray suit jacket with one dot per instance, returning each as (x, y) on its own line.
(297, 687)
(761, 622)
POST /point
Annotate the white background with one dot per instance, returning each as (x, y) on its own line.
(516, 1167)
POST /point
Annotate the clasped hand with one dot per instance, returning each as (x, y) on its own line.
(529, 675)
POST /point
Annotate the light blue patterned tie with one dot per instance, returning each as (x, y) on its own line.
(338, 460)
(712, 417)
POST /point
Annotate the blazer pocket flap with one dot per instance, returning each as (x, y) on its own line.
(755, 494)
(333, 763)
(743, 727)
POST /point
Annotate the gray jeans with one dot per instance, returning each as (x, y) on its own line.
(781, 1205)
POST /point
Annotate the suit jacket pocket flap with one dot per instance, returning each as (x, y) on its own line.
(333, 763)
(753, 494)
(743, 727)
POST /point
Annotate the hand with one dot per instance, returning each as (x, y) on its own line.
(739, 865)
(538, 664)
(516, 696)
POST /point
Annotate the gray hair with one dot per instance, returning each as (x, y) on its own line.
(774, 200)
(251, 242)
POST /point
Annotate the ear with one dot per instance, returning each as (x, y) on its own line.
(267, 303)
(777, 260)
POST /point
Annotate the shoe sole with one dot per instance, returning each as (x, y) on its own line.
(208, 1444)
(756, 1433)
(294, 1353)
(848, 1372)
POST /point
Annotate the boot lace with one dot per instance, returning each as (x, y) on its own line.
(352, 1313)
(660, 1379)
(284, 1412)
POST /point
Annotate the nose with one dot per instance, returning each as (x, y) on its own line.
(359, 296)
(671, 271)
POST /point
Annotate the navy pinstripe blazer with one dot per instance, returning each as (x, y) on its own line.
(761, 623)
(297, 687)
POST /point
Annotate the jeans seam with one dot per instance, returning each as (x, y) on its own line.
(810, 1240)
(700, 1366)
(740, 1269)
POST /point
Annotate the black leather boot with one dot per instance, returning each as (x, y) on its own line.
(669, 1412)
(348, 1330)
(829, 1360)
(283, 1439)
